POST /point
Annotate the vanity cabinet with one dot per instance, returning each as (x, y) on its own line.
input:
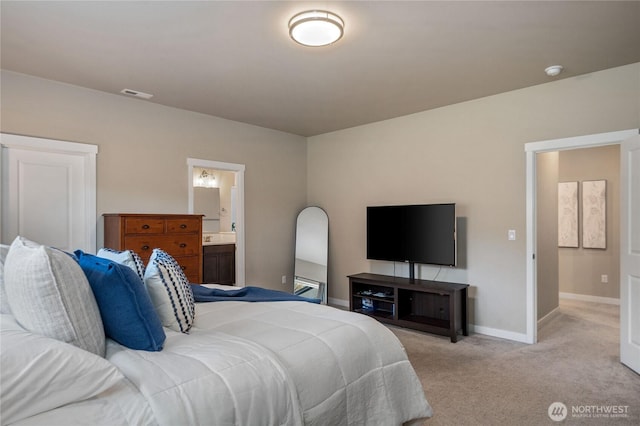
(219, 264)
(180, 235)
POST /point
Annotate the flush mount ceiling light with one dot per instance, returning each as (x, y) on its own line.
(316, 28)
(553, 70)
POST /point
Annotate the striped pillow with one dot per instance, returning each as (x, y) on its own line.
(170, 291)
(49, 294)
(127, 257)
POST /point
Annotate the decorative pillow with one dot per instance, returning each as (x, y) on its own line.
(127, 257)
(49, 294)
(170, 291)
(40, 374)
(4, 303)
(127, 313)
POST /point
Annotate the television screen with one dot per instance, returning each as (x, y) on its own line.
(414, 233)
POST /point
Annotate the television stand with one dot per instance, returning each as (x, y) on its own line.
(432, 306)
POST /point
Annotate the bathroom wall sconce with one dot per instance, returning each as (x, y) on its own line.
(204, 179)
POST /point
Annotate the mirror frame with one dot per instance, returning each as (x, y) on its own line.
(321, 285)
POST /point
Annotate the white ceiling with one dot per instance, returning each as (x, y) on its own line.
(234, 59)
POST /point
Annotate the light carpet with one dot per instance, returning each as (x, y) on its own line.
(483, 380)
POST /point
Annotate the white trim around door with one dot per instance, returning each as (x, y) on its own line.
(87, 154)
(240, 225)
(531, 149)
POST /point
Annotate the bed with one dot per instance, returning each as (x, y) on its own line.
(241, 363)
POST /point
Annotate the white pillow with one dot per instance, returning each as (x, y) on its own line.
(40, 374)
(4, 303)
(170, 291)
(49, 294)
(126, 257)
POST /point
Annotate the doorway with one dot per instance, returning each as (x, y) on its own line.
(531, 150)
(238, 203)
(569, 266)
(48, 192)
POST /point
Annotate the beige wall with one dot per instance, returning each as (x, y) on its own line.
(472, 154)
(580, 269)
(547, 231)
(142, 160)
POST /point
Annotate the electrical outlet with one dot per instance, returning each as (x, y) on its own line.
(511, 234)
(604, 278)
(284, 279)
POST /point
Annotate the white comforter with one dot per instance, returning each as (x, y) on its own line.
(268, 363)
(277, 363)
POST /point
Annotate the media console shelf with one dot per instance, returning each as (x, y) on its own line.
(432, 306)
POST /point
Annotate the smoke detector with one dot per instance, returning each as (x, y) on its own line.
(553, 70)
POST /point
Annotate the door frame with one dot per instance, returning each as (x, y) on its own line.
(531, 149)
(87, 151)
(238, 169)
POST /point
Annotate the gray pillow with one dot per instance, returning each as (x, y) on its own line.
(4, 303)
(49, 294)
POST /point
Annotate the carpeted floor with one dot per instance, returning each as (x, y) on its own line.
(483, 380)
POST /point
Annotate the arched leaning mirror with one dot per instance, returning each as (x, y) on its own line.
(312, 250)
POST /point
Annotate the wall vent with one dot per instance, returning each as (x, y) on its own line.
(136, 93)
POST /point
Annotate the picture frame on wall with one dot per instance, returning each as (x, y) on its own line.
(594, 214)
(568, 214)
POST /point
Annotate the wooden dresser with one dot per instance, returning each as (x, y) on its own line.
(180, 235)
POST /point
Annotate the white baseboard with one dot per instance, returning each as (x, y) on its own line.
(495, 332)
(545, 319)
(587, 298)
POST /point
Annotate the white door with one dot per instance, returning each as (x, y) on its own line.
(630, 253)
(48, 192)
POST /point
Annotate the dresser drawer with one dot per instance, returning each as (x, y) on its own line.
(175, 245)
(191, 267)
(187, 225)
(143, 225)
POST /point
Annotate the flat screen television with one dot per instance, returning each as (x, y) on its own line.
(424, 233)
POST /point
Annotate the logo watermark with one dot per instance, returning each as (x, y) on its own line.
(558, 411)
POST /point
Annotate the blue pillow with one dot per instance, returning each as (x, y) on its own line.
(127, 313)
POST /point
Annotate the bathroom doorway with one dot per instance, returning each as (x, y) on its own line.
(224, 224)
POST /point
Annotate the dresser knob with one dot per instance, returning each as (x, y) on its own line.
(145, 247)
(183, 226)
(145, 226)
(184, 268)
(183, 245)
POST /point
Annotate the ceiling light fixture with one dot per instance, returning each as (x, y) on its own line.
(316, 28)
(553, 70)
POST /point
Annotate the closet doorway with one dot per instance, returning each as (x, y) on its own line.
(48, 192)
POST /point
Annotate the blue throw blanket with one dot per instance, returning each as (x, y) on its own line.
(245, 294)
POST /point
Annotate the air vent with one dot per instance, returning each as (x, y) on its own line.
(136, 93)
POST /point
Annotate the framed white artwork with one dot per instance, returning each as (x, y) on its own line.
(594, 214)
(568, 214)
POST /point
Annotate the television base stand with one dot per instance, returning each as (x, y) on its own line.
(431, 306)
(412, 271)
